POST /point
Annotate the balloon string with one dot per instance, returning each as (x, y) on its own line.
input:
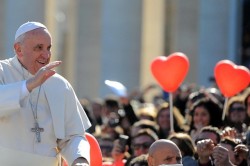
(171, 112)
(224, 109)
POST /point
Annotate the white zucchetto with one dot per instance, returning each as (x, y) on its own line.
(28, 26)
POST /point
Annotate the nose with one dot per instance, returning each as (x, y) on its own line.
(200, 118)
(46, 54)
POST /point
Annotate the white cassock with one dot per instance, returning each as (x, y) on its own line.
(59, 113)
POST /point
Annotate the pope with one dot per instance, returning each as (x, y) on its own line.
(41, 118)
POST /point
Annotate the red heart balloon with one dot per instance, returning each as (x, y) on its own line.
(95, 151)
(170, 71)
(230, 78)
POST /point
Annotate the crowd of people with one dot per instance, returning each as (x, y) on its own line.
(201, 137)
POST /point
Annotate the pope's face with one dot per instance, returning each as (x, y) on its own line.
(34, 51)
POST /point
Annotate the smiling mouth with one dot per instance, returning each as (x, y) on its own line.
(42, 62)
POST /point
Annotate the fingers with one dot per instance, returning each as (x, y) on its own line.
(52, 65)
(229, 132)
(47, 70)
(205, 147)
(205, 144)
(241, 150)
(220, 154)
(241, 147)
(42, 75)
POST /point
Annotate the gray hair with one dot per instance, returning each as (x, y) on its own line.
(19, 40)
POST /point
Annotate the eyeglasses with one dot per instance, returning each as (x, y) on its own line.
(237, 109)
(144, 145)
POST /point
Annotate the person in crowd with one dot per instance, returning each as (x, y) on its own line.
(205, 112)
(125, 120)
(241, 152)
(129, 112)
(97, 108)
(209, 132)
(111, 105)
(246, 96)
(41, 115)
(113, 129)
(193, 97)
(221, 156)
(147, 111)
(119, 105)
(140, 145)
(204, 151)
(164, 151)
(142, 141)
(236, 115)
(120, 153)
(215, 93)
(186, 146)
(144, 123)
(105, 142)
(180, 97)
(211, 137)
(230, 144)
(163, 120)
(140, 95)
(225, 153)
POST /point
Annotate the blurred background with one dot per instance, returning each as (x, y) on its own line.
(100, 40)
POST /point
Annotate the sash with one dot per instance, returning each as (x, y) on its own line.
(11, 157)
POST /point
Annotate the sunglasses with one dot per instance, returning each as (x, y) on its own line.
(237, 109)
(144, 145)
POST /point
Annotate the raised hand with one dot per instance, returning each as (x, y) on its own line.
(221, 156)
(42, 75)
(205, 150)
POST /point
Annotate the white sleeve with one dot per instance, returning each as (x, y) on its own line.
(10, 98)
(75, 147)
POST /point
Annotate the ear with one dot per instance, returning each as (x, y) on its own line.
(18, 49)
(150, 160)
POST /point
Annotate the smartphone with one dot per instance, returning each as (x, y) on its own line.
(123, 139)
